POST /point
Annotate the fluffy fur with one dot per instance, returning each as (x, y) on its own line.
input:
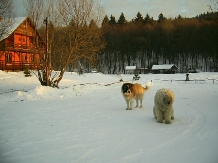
(163, 106)
(133, 91)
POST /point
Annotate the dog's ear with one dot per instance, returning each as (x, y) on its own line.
(126, 87)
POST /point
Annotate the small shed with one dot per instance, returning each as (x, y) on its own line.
(164, 69)
(130, 69)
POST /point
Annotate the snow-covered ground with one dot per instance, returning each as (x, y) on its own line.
(86, 122)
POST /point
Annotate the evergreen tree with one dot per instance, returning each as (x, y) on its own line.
(122, 19)
(27, 72)
(147, 19)
(105, 21)
(179, 17)
(112, 20)
(139, 18)
(161, 17)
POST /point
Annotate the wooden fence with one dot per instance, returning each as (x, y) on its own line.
(193, 80)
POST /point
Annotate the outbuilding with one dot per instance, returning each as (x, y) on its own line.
(130, 69)
(164, 69)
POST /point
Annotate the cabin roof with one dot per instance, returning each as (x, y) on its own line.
(163, 67)
(14, 24)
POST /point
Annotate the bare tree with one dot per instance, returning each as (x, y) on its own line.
(34, 10)
(74, 34)
(213, 6)
(6, 16)
(81, 21)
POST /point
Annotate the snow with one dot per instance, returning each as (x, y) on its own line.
(86, 121)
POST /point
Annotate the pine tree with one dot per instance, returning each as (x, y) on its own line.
(139, 18)
(122, 19)
(112, 20)
(179, 17)
(105, 21)
(27, 72)
(161, 17)
(147, 19)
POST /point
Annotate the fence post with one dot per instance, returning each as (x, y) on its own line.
(187, 77)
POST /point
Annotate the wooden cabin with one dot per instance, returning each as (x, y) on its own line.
(130, 69)
(21, 45)
(164, 69)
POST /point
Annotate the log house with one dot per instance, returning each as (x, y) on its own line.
(21, 46)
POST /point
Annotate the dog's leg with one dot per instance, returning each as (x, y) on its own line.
(131, 104)
(172, 114)
(137, 102)
(141, 99)
(127, 103)
(159, 115)
(167, 116)
(141, 103)
(154, 113)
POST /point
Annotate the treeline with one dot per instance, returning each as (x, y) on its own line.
(190, 43)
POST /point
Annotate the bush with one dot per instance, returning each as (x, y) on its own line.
(27, 72)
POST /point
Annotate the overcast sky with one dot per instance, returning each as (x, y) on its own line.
(130, 8)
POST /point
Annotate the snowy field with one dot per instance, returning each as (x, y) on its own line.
(86, 122)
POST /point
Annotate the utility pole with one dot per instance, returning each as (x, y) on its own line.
(47, 62)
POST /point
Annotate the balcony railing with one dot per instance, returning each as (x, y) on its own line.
(20, 46)
(17, 65)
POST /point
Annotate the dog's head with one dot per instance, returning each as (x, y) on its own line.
(127, 88)
(168, 100)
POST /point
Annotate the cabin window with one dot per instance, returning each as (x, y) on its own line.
(8, 57)
(23, 39)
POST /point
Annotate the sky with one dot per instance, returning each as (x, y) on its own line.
(130, 8)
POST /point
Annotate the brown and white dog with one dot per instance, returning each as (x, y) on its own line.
(133, 91)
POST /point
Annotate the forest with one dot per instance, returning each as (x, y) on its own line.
(189, 43)
(82, 38)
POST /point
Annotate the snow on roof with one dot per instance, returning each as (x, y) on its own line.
(163, 67)
(10, 25)
(130, 67)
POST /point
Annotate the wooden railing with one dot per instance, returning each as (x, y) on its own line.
(12, 45)
(17, 65)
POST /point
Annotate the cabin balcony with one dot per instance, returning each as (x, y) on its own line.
(29, 48)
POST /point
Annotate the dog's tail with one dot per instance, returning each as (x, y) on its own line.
(146, 88)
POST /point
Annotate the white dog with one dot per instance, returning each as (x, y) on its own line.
(133, 91)
(163, 106)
